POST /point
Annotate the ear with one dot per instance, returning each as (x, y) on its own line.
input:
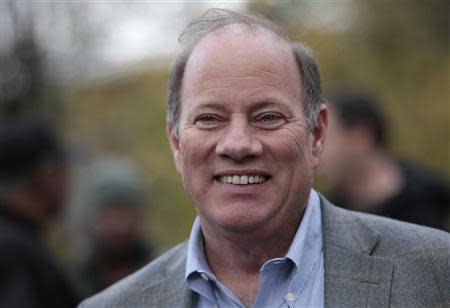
(319, 135)
(174, 146)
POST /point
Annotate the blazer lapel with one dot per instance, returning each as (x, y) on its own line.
(172, 291)
(181, 298)
(353, 277)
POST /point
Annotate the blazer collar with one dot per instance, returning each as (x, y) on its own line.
(171, 290)
(353, 276)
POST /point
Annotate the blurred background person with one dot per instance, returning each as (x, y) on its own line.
(115, 202)
(362, 174)
(33, 182)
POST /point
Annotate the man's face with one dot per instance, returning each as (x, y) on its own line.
(244, 152)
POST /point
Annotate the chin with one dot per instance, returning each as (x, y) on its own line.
(242, 223)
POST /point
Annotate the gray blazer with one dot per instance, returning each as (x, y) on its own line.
(369, 262)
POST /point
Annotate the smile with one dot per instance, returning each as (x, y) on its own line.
(242, 179)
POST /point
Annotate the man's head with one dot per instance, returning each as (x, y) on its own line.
(356, 132)
(32, 167)
(245, 122)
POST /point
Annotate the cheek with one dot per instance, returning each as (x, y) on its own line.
(294, 165)
(302, 160)
(195, 160)
(290, 152)
(295, 144)
(194, 149)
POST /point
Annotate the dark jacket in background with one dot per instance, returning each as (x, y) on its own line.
(423, 200)
(91, 276)
(29, 277)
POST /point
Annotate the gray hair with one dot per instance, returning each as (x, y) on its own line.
(215, 19)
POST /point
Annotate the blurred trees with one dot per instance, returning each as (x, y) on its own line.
(22, 71)
(45, 45)
(30, 73)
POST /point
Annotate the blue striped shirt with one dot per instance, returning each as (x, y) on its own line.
(296, 280)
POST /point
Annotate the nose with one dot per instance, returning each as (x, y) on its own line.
(238, 143)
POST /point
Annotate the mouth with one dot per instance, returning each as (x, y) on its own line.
(235, 179)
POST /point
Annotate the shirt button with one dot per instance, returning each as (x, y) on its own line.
(290, 297)
(204, 276)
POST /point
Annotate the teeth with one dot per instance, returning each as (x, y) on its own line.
(242, 179)
(236, 179)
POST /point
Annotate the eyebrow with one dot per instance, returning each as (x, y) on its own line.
(265, 104)
(210, 105)
(252, 108)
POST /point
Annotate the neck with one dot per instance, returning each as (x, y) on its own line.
(236, 259)
(374, 180)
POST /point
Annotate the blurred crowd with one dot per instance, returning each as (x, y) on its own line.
(34, 190)
(358, 170)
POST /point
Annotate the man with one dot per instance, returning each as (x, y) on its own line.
(115, 201)
(247, 125)
(32, 192)
(362, 174)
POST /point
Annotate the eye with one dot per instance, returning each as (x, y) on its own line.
(270, 120)
(269, 117)
(207, 120)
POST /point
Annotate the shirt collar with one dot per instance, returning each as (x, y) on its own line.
(196, 261)
(307, 237)
(309, 234)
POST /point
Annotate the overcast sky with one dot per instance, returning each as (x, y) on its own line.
(82, 40)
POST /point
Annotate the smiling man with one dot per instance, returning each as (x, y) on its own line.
(247, 125)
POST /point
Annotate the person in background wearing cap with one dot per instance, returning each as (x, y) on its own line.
(115, 199)
(33, 181)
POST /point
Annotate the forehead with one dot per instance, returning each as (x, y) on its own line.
(238, 59)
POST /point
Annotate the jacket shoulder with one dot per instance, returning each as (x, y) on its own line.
(419, 255)
(158, 279)
(399, 238)
(389, 237)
